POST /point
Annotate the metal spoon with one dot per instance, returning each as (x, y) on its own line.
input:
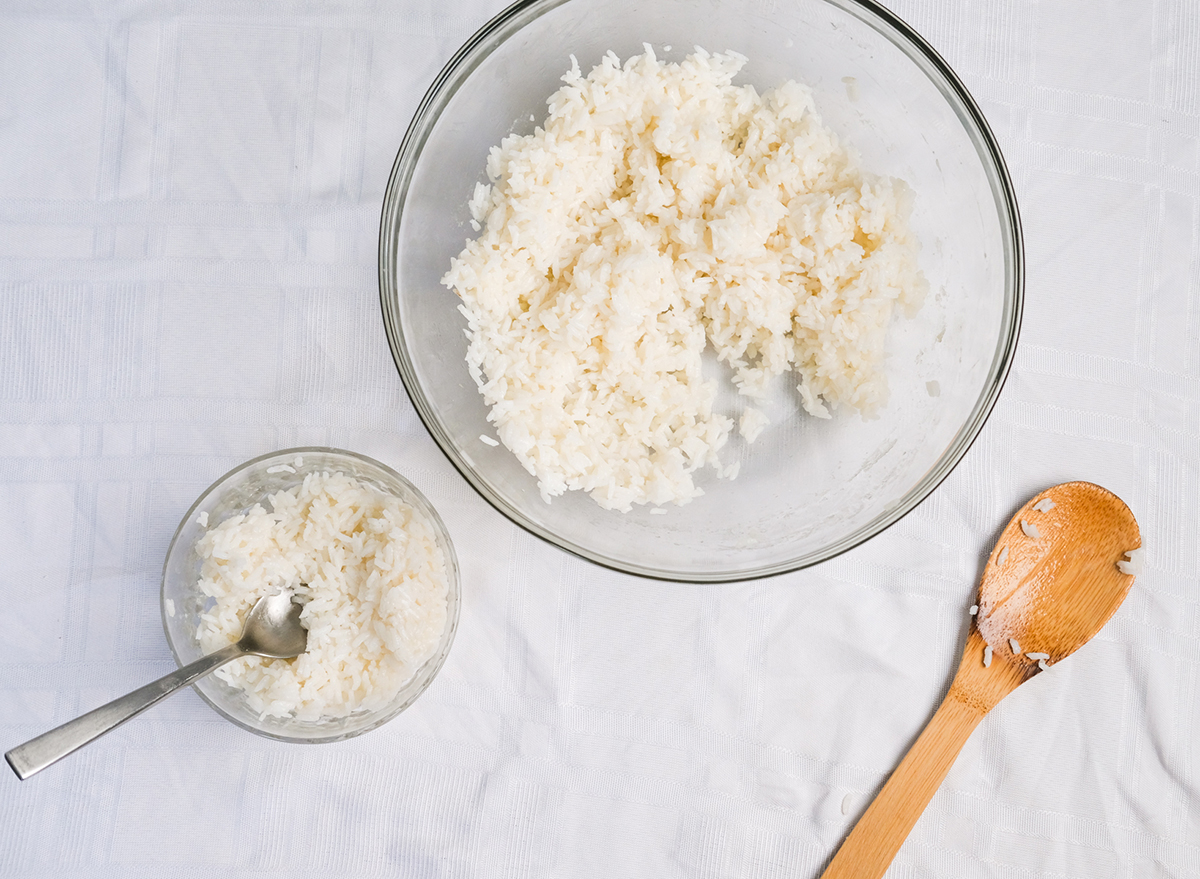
(1055, 576)
(273, 629)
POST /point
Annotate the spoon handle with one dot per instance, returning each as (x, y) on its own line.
(38, 753)
(879, 833)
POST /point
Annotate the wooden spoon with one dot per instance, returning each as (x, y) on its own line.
(1051, 582)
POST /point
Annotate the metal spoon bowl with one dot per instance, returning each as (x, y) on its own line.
(273, 629)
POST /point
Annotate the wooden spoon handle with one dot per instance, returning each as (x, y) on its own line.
(878, 835)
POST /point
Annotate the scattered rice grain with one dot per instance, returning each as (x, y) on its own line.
(1030, 530)
(987, 655)
(752, 423)
(487, 440)
(1045, 505)
(1015, 645)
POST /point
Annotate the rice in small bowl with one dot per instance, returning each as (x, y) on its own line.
(365, 553)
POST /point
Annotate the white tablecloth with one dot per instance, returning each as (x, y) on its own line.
(189, 199)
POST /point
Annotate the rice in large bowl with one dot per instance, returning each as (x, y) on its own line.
(660, 212)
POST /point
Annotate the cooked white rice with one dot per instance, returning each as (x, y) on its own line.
(659, 209)
(1132, 563)
(1030, 530)
(1045, 505)
(371, 576)
(752, 423)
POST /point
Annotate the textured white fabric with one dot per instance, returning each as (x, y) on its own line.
(189, 198)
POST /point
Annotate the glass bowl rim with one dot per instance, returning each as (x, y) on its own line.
(429, 671)
(507, 23)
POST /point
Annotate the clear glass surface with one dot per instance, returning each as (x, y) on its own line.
(237, 491)
(807, 489)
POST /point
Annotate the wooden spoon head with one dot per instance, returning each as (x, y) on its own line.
(1049, 585)
(1054, 579)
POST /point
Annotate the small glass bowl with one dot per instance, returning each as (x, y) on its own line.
(235, 492)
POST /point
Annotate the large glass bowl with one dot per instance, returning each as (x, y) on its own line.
(808, 489)
(236, 492)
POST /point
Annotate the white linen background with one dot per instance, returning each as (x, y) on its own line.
(189, 199)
